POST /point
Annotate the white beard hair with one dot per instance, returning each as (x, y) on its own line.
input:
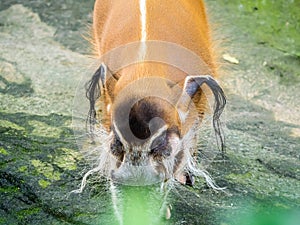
(189, 162)
(102, 161)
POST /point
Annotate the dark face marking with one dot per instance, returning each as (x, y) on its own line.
(160, 147)
(117, 149)
(145, 118)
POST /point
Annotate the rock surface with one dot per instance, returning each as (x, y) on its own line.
(40, 69)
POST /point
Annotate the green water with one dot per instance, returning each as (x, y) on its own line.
(139, 206)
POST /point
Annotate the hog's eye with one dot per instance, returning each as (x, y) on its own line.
(160, 146)
(116, 146)
(117, 143)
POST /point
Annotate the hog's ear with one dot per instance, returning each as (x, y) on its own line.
(93, 92)
(191, 85)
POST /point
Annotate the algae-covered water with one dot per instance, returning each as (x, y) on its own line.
(43, 57)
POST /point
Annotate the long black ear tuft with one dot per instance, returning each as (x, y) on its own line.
(93, 92)
(191, 86)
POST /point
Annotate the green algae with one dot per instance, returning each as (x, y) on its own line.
(29, 177)
(22, 214)
(3, 151)
(65, 158)
(23, 169)
(11, 125)
(46, 169)
(44, 130)
(72, 153)
(9, 189)
(65, 162)
(44, 183)
(271, 22)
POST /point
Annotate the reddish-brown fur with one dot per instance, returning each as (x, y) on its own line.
(182, 22)
(154, 62)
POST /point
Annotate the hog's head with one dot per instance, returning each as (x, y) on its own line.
(153, 125)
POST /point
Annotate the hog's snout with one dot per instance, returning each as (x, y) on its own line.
(154, 161)
(135, 171)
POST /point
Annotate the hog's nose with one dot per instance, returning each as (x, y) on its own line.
(137, 158)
